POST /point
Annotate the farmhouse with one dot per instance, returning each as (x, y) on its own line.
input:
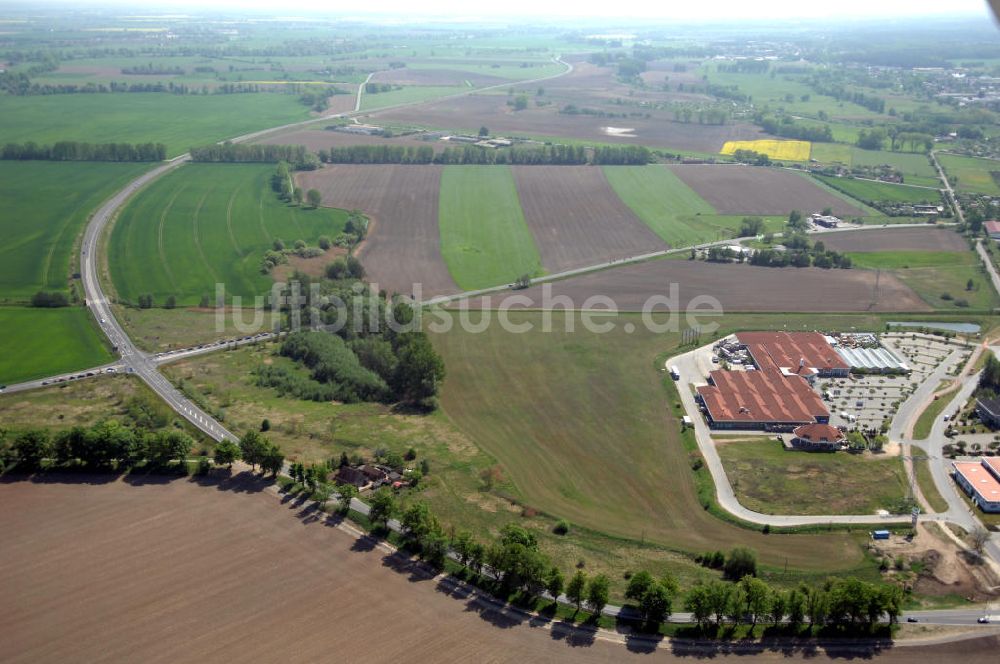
(766, 399)
(825, 220)
(992, 229)
(802, 353)
(359, 129)
(363, 477)
(980, 481)
(988, 411)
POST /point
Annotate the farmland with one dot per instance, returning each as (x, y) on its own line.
(484, 238)
(869, 191)
(770, 480)
(974, 175)
(403, 245)
(98, 535)
(775, 149)
(752, 190)
(577, 219)
(916, 168)
(408, 94)
(46, 205)
(896, 239)
(735, 287)
(179, 121)
(206, 224)
(670, 208)
(43, 342)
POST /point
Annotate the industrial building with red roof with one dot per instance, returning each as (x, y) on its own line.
(794, 352)
(762, 399)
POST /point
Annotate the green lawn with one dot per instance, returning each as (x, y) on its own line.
(205, 224)
(672, 209)
(179, 121)
(485, 240)
(409, 94)
(869, 191)
(902, 260)
(768, 479)
(42, 342)
(973, 174)
(924, 423)
(925, 481)
(45, 207)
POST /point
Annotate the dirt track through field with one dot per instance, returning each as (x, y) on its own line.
(403, 246)
(577, 219)
(736, 287)
(170, 571)
(902, 239)
(756, 190)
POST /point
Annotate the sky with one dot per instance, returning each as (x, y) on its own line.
(686, 10)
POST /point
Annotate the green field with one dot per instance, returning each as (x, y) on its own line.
(770, 480)
(409, 94)
(973, 174)
(916, 168)
(926, 481)
(179, 121)
(204, 224)
(42, 342)
(485, 240)
(867, 190)
(45, 207)
(935, 273)
(670, 208)
(511, 70)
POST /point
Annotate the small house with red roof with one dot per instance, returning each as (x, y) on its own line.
(992, 229)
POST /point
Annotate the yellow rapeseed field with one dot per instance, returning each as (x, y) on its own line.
(782, 150)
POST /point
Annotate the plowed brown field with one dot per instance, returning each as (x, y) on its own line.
(736, 287)
(403, 245)
(752, 190)
(900, 239)
(322, 139)
(170, 571)
(577, 219)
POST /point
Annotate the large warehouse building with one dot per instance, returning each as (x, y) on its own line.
(794, 352)
(765, 399)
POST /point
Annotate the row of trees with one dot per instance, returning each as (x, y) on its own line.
(229, 152)
(787, 128)
(104, 445)
(471, 154)
(79, 151)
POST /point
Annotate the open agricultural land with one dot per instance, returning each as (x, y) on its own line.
(915, 168)
(403, 243)
(779, 150)
(577, 219)
(208, 224)
(735, 287)
(672, 209)
(45, 208)
(179, 121)
(485, 240)
(747, 190)
(97, 534)
(869, 191)
(970, 174)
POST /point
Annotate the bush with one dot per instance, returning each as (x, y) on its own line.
(561, 527)
(48, 299)
(740, 563)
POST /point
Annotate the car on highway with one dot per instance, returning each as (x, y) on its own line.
(109, 370)
(985, 620)
(911, 619)
(103, 321)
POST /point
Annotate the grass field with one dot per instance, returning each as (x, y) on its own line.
(179, 121)
(926, 482)
(916, 168)
(935, 273)
(867, 190)
(408, 94)
(770, 480)
(205, 224)
(924, 423)
(670, 208)
(775, 149)
(45, 206)
(485, 240)
(973, 174)
(42, 342)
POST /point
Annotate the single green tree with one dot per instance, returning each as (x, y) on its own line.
(226, 453)
(576, 589)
